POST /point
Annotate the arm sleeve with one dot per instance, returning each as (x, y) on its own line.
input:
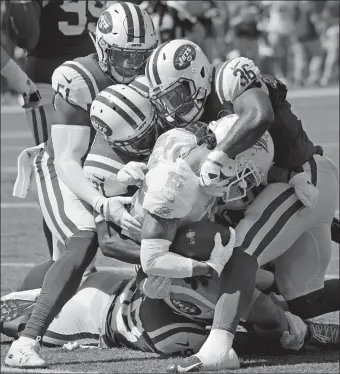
(70, 145)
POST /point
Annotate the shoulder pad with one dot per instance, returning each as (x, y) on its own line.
(75, 84)
(169, 189)
(233, 78)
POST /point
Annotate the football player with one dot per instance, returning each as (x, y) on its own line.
(185, 88)
(125, 37)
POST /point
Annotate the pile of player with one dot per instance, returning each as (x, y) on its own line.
(141, 167)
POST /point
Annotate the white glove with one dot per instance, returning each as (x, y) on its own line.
(295, 337)
(132, 173)
(212, 167)
(305, 191)
(156, 287)
(113, 209)
(220, 255)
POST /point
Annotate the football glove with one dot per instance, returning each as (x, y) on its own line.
(305, 191)
(156, 287)
(132, 173)
(294, 338)
(221, 254)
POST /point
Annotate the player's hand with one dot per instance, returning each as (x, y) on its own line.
(113, 209)
(156, 287)
(31, 100)
(305, 191)
(212, 167)
(294, 338)
(221, 254)
(132, 173)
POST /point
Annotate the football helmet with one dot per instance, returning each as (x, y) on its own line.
(125, 37)
(179, 74)
(250, 167)
(126, 119)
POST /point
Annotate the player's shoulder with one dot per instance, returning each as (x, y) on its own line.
(233, 77)
(169, 189)
(79, 81)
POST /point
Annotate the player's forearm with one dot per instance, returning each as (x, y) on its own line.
(70, 145)
(246, 131)
(115, 245)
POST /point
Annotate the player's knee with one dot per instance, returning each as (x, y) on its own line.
(83, 245)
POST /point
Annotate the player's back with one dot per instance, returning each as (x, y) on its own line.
(64, 27)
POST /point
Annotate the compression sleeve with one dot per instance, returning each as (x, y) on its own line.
(70, 145)
(157, 260)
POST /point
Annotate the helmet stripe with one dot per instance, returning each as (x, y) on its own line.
(142, 30)
(114, 106)
(219, 80)
(126, 101)
(135, 85)
(130, 25)
(154, 64)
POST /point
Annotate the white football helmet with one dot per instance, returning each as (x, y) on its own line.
(250, 166)
(125, 38)
(126, 119)
(179, 74)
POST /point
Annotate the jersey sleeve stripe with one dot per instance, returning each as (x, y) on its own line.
(35, 126)
(43, 123)
(118, 110)
(155, 63)
(87, 77)
(101, 166)
(130, 25)
(128, 102)
(141, 24)
(139, 86)
(219, 80)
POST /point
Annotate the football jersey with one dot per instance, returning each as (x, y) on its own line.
(79, 82)
(64, 35)
(230, 79)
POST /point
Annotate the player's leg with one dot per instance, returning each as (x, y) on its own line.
(82, 317)
(71, 221)
(300, 277)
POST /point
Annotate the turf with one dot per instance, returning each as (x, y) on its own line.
(22, 244)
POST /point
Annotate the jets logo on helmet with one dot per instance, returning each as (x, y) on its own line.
(183, 56)
(105, 23)
(180, 81)
(126, 119)
(125, 38)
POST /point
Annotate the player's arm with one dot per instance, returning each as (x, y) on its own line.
(25, 15)
(116, 245)
(71, 140)
(255, 113)
(157, 236)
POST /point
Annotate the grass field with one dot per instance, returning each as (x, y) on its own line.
(23, 244)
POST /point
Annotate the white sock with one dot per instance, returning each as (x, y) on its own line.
(215, 347)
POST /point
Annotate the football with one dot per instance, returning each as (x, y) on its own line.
(196, 239)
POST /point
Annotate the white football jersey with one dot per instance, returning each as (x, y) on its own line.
(233, 78)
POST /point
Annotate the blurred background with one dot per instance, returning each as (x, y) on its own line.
(297, 41)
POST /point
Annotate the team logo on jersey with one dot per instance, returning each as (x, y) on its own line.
(101, 126)
(105, 23)
(191, 236)
(183, 56)
(163, 211)
(186, 307)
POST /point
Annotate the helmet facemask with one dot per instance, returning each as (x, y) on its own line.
(180, 103)
(123, 64)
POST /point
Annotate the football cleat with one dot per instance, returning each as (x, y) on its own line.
(323, 335)
(16, 304)
(24, 353)
(186, 365)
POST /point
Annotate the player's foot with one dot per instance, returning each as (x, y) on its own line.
(24, 353)
(229, 360)
(323, 335)
(16, 304)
